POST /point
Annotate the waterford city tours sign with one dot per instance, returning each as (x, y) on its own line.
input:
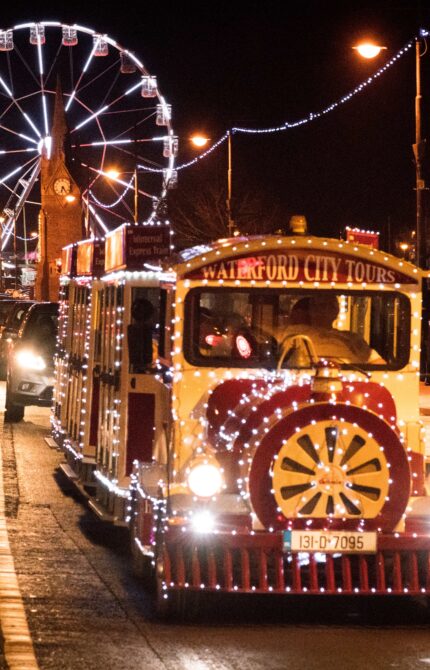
(301, 266)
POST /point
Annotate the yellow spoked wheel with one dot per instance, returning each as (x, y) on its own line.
(334, 466)
(330, 469)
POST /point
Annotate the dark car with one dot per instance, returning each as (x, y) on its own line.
(6, 306)
(9, 329)
(30, 361)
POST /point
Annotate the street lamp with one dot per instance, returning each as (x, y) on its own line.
(370, 50)
(201, 141)
(2, 220)
(418, 149)
(15, 250)
(404, 246)
(230, 222)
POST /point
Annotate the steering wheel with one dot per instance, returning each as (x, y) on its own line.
(290, 344)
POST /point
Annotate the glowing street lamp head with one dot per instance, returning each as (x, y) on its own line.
(112, 173)
(368, 49)
(199, 140)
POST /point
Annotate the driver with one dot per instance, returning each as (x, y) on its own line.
(314, 317)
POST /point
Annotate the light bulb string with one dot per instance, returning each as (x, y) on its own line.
(98, 202)
(312, 116)
(27, 239)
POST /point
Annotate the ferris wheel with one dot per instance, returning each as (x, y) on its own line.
(120, 144)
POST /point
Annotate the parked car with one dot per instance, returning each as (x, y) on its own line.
(30, 361)
(9, 330)
(6, 306)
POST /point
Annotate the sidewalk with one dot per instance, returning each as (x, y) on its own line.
(16, 639)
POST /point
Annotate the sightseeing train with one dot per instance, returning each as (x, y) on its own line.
(251, 410)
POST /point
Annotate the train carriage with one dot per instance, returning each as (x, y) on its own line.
(76, 388)
(131, 419)
(68, 272)
(259, 417)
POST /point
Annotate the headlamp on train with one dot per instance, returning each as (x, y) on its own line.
(203, 522)
(204, 477)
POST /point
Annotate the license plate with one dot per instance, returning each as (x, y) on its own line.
(329, 542)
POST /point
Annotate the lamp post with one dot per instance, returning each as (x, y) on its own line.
(2, 220)
(201, 141)
(136, 198)
(418, 149)
(369, 50)
(15, 251)
(230, 222)
(404, 246)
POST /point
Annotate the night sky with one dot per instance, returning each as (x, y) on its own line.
(224, 64)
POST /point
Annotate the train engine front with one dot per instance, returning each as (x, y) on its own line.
(297, 463)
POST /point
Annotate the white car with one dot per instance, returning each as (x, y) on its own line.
(30, 363)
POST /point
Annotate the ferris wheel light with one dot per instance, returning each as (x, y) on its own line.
(368, 49)
(91, 117)
(6, 88)
(133, 88)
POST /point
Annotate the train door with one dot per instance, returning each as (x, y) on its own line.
(69, 381)
(148, 388)
(61, 364)
(91, 376)
(111, 317)
(77, 358)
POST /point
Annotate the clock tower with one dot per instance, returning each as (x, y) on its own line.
(60, 217)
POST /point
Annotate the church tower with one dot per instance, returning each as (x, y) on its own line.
(60, 217)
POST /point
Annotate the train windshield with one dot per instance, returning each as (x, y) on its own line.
(292, 329)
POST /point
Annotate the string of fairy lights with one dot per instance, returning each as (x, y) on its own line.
(309, 118)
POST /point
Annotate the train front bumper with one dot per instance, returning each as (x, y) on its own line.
(255, 562)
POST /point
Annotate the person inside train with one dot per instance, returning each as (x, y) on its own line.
(300, 312)
(314, 317)
(139, 335)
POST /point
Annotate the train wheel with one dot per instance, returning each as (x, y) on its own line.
(179, 604)
(142, 565)
(334, 466)
(167, 604)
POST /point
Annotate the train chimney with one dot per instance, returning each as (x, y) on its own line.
(298, 225)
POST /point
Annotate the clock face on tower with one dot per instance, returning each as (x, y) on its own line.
(62, 186)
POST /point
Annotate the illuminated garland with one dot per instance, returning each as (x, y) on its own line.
(27, 239)
(113, 204)
(312, 116)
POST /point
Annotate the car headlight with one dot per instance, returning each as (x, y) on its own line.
(29, 360)
(204, 478)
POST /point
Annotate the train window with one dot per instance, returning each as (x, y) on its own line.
(259, 327)
(145, 332)
(99, 297)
